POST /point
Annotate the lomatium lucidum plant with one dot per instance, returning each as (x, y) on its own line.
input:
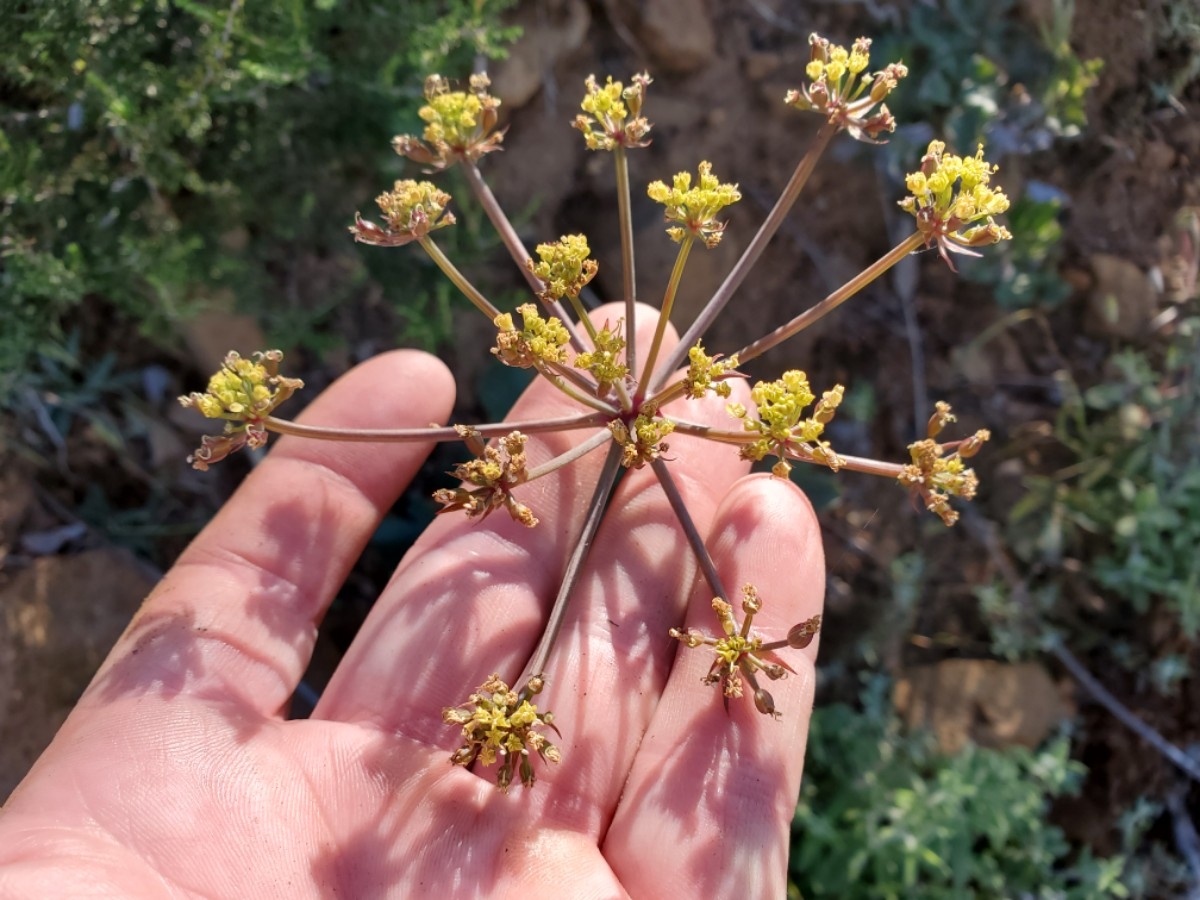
(621, 388)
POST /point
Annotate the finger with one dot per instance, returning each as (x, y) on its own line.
(470, 598)
(237, 616)
(611, 662)
(704, 777)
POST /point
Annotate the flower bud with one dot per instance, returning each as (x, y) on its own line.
(764, 703)
(973, 444)
(800, 636)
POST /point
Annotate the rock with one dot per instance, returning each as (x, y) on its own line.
(212, 334)
(992, 704)
(1123, 299)
(678, 34)
(58, 620)
(16, 500)
(550, 31)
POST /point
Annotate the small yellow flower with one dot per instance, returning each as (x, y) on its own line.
(837, 91)
(613, 114)
(741, 655)
(695, 209)
(784, 431)
(459, 124)
(564, 269)
(500, 724)
(411, 210)
(243, 392)
(953, 202)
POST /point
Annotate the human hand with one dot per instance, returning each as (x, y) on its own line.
(177, 775)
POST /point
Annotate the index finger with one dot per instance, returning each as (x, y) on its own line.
(236, 617)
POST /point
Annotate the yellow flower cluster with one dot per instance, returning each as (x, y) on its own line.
(781, 423)
(493, 474)
(950, 192)
(537, 341)
(604, 362)
(694, 209)
(459, 124)
(641, 442)
(706, 373)
(244, 389)
(415, 207)
(244, 392)
(499, 724)
(832, 62)
(411, 210)
(613, 114)
(837, 91)
(937, 471)
(742, 655)
(564, 269)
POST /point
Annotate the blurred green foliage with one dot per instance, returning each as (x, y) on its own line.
(1026, 272)
(884, 814)
(155, 153)
(1123, 510)
(979, 70)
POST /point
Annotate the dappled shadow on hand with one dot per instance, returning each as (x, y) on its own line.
(722, 790)
(443, 833)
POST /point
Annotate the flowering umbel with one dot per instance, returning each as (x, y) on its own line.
(695, 209)
(604, 361)
(538, 342)
(500, 724)
(784, 431)
(411, 210)
(613, 114)
(565, 268)
(491, 476)
(642, 439)
(243, 392)
(836, 90)
(937, 472)
(708, 373)
(460, 125)
(741, 655)
(948, 194)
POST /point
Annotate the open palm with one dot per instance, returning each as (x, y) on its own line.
(177, 775)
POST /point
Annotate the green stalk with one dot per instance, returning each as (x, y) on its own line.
(578, 396)
(834, 300)
(664, 316)
(460, 281)
(622, 394)
(628, 276)
(750, 256)
(577, 305)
